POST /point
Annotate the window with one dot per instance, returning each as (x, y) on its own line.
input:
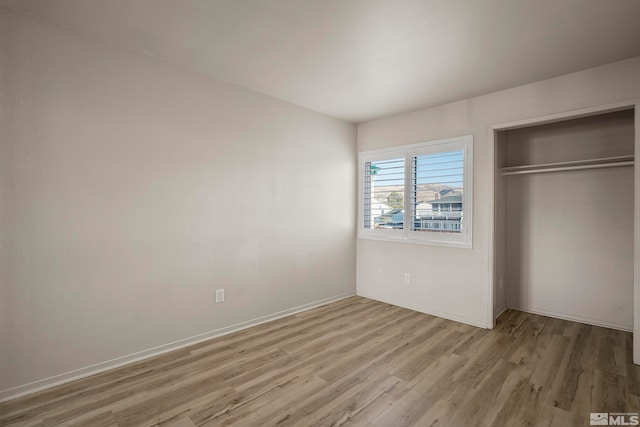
(430, 181)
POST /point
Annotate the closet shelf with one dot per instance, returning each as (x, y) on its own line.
(603, 162)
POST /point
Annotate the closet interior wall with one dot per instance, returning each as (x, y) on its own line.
(564, 239)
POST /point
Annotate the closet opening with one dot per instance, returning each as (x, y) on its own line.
(564, 218)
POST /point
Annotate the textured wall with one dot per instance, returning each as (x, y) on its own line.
(450, 281)
(131, 189)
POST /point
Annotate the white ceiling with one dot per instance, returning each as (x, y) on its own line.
(359, 60)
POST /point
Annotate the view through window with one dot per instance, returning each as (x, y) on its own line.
(384, 194)
(437, 190)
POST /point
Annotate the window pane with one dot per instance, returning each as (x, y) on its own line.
(384, 194)
(437, 188)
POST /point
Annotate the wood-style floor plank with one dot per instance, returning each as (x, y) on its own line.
(359, 362)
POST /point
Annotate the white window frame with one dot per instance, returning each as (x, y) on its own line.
(406, 235)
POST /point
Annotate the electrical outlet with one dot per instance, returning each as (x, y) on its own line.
(407, 277)
(380, 272)
(219, 295)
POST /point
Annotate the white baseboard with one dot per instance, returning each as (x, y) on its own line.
(423, 309)
(574, 318)
(76, 374)
(498, 311)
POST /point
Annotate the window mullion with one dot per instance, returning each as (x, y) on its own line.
(407, 194)
(367, 195)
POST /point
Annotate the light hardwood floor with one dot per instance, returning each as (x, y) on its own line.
(359, 362)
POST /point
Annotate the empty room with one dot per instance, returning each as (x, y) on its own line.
(382, 213)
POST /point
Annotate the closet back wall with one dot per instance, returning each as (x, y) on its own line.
(570, 234)
(130, 189)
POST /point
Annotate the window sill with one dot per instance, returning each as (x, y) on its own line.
(427, 242)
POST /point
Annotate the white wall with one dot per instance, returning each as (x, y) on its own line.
(131, 189)
(569, 243)
(455, 282)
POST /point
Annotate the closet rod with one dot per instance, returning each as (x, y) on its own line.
(570, 163)
(570, 168)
